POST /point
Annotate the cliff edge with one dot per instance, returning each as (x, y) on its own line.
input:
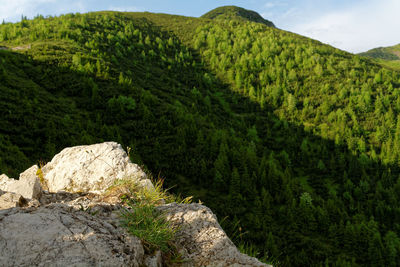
(63, 214)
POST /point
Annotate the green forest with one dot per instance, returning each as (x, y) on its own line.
(386, 56)
(294, 144)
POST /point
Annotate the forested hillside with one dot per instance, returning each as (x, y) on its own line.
(387, 56)
(296, 144)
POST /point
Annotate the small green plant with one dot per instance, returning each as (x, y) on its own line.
(253, 251)
(130, 189)
(142, 219)
(248, 249)
(145, 222)
(40, 175)
(237, 236)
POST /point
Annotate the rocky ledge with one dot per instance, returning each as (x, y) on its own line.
(58, 215)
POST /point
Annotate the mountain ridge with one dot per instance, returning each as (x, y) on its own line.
(386, 53)
(386, 56)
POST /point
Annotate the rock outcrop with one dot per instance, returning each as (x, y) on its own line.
(28, 184)
(56, 235)
(201, 238)
(72, 223)
(11, 200)
(91, 168)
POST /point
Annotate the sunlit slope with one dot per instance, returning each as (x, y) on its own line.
(332, 93)
(387, 56)
(236, 13)
(386, 53)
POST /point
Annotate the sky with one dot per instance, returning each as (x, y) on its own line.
(351, 25)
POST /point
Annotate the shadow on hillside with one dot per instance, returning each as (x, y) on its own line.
(178, 132)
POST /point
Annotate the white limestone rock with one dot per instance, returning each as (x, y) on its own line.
(10, 200)
(28, 184)
(57, 235)
(92, 168)
(5, 182)
(203, 239)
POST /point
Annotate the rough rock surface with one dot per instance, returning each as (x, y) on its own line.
(92, 168)
(56, 235)
(202, 238)
(28, 184)
(11, 200)
(81, 227)
(154, 260)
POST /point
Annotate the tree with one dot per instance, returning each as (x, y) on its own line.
(392, 248)
(234, 188)
(375, 250)
(291, 102)
(222, 169)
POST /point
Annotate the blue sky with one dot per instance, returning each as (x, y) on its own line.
(352, 25)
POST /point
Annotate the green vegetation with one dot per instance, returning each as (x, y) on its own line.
(141, 218)
(295, 142)
(236, 13)
(150, 226)
(386, 56)
(386, 53)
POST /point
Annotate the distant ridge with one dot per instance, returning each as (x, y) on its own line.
(234, 12)
(385, 53)
(386, 56)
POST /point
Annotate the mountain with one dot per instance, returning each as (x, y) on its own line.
(386, 53)
(294, 144)
(236, 13)
(388, 56)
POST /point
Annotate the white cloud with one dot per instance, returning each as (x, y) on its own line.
(273, 4)
(125, 8)
(281, 12)
(358, 28)
(12, 10)
(269, 5)
(290, 12)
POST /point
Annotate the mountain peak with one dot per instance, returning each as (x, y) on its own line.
(234, 12)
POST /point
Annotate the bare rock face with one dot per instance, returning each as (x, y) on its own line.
(202, 238)
(92, 168)
(10, 200)
(28, 184)
(57, 235)
(72, 223)
(154, 260)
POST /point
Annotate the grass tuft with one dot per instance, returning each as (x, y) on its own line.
(145, 222)
(141, 218)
